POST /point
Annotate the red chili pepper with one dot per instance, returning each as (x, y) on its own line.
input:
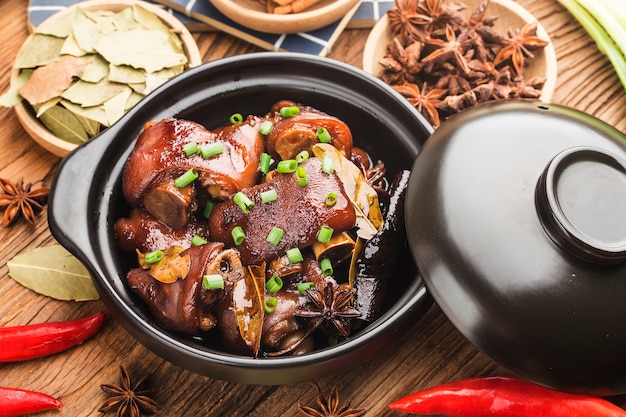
(19, 402)
(21, 343)
(503, 397)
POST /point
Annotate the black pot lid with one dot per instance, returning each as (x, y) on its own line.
(516, 216)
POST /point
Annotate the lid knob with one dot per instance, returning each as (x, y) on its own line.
(581, 201)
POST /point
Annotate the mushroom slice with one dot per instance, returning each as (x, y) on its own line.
(337, 249)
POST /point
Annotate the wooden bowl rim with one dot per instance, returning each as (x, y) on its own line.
(318, 16)
(38, 131)
(381, 27)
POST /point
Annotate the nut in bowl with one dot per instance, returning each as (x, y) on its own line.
(450, 59)
(96, 78)
(297, 15)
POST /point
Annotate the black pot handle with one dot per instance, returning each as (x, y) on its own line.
(69, 199)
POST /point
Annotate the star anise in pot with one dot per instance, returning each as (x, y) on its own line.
(20, 200)
(332, 306)
(330, 407)
(126, 399)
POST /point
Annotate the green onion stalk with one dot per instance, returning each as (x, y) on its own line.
(605, 22)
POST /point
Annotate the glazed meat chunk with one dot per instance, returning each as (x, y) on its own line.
(299, 211)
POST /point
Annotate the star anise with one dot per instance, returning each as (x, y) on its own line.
(441, 14)
(451, 50)
(401, 64)
(479, 32)
(424, 101)
(519, 45)
(127, 400)
(332, 306)
(457, 61)
(19, 200)
(406, 22)
(330, 407)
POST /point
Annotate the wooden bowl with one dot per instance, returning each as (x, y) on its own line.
(253, 14)
(510, 16)
(24, 112)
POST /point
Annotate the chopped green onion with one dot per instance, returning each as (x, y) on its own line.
(154, 257)
(302, 156)
(331, 199)
(243, 201)
(333, 340)
(269, 196)
(213, 282)
(274, 284)
(186, 179)
(208, 208)
(323, 135)
(236, 118)
(289, 111)
(238, 235)
(264, 162)
(190, 148)
(198, 240)
(303, 180)
(266, 127)
(324, 235)
(303, 286)
(275, 235)
(211, 149)
(328, 165)
(326, 266)
(270, 305)
(287, 166)
(294, 255)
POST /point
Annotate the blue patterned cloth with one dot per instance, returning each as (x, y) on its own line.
(200, 15)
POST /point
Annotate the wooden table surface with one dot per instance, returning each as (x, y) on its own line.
(432, 352)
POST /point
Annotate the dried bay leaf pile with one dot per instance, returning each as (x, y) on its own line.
(82, 72)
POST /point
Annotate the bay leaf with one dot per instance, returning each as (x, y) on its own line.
(248, 306)
(64, 124)
(91, 94)
(139, 88)
(114, 107)
(71, 47)
(126, 74)
(97, 70)
(51, 80)
(124, 19)
(104, 19)
(12, 97)
(363, 197)
(39, 50)
(60, 28)
(147, 19)
(52, 271)
(153, 81)
(150, 50)
(95, 113)
(85, 30)
(133, 99)
(92, 127)
(43, 107)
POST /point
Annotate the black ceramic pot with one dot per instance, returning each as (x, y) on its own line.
(516, 216)
(86, 197)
